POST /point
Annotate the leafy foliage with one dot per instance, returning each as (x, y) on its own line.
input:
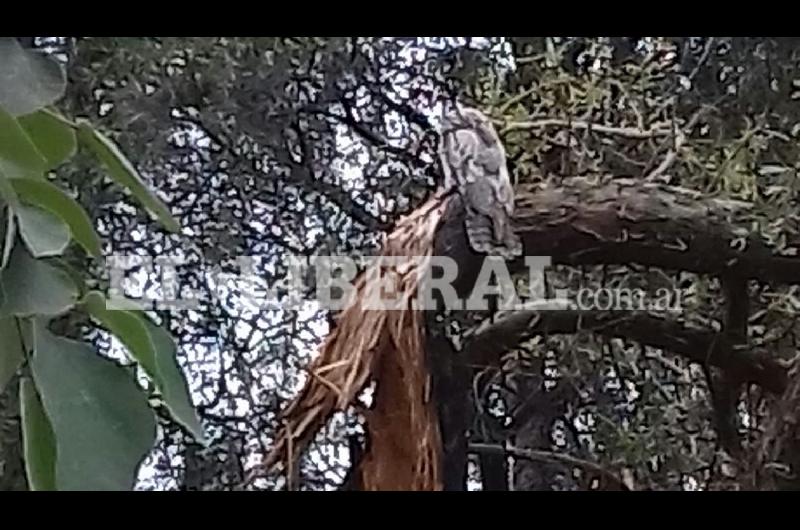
(101, 423)
(86, 421)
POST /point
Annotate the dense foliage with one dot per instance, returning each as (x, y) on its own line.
(85, 422)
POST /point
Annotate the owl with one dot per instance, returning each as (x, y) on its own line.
(474, 165)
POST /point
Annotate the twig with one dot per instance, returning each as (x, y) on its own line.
(703, 58)
(627, 132)
(516, 99)
(668, 363)
(672, 155)
(679, 137)
(548, 456)
(530, 58)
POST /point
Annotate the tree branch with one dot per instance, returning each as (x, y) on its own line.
(626, 132)
(411, 114)
(725, 388)
(703, 58)
(697, 345)
(550, 456)
(584, 221)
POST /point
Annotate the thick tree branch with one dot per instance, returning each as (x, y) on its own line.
(584, 221)
(701, 346)
(724, 387)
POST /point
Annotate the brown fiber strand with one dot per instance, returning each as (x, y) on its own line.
(386, 346)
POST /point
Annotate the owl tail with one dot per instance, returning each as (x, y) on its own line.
(493, 237)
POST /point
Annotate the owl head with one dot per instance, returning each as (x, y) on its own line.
(464, 117)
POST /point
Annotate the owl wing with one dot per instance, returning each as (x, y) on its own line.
(459, 151)
(477, 170)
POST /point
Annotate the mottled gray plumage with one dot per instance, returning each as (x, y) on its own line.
(474, 164)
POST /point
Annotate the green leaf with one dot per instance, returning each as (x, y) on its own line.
(122, 171)
(53, 137)
(173, 385)
(18, 153)
(38, 440)
(153, 348)
(48, 196)
(102, 422)
(10, 235)
(44, 233)
(11, 354)
(34, 287)
(127, 327)
(7, 192)
(29, 79)
(8, 195)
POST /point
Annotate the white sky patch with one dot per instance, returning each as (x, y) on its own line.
(354, 150)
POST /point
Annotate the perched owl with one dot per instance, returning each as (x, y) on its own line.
(474, 164)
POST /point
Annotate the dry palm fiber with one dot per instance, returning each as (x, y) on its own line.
(387, 345)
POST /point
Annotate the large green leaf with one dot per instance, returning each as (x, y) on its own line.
(44, 233)
(38, 440)
(18, 154)
(35, 287)
(54, 138)
(173, 387)
(122, 171)
(128, 328)
(154, 349)
(11, 353)
(51, 198)
(29, 79)
(102, 422)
